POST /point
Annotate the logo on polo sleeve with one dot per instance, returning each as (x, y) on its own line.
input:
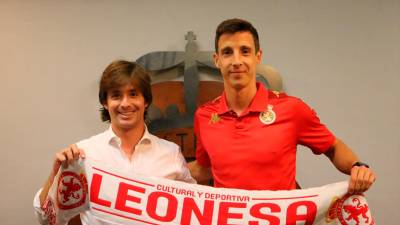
(214, 118)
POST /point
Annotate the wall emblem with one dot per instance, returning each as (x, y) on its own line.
(181, 81)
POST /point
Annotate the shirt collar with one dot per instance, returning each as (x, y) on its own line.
(115, 140)
(258, 103)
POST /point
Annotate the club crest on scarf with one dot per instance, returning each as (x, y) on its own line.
(350, 210)
(72, 190)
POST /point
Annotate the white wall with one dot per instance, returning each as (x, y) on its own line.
(342, 57)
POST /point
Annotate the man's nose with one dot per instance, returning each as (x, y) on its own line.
(237, 59)
(125, 102)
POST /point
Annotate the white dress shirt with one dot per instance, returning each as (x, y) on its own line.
(153, 156)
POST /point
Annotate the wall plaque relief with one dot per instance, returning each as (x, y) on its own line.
(182, 81)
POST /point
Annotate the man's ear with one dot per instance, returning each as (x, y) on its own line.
(259, 55)
(216, 59)
(105, 106)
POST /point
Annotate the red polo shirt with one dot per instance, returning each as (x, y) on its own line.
(252, 153)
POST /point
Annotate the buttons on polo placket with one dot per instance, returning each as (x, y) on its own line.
(268, 116)
(239, 123)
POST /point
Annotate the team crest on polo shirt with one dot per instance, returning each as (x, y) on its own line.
(71, 190)
(349, 210)
(268, 116)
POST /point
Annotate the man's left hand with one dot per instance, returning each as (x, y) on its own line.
(361, 179)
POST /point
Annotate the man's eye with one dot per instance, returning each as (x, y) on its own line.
(134, 93)
(227, 52)
(115, 95)
(246, 51)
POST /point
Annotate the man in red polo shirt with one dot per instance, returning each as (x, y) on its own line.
(247, 137)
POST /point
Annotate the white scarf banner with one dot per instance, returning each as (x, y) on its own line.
(119, 198)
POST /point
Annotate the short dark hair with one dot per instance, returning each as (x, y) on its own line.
(120, 73)
(232, 26)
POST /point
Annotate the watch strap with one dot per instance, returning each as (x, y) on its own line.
(360, 164)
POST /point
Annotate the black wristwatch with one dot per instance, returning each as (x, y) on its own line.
(360, 164)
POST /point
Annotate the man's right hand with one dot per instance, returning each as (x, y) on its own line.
(63, 158)
(67, 156)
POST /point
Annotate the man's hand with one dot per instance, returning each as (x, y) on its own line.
(67, 156)
(361, 179)
(201, 174)
(64, 157)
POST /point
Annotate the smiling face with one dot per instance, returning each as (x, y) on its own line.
(237, 59)
(122, 83)
(126, 106)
